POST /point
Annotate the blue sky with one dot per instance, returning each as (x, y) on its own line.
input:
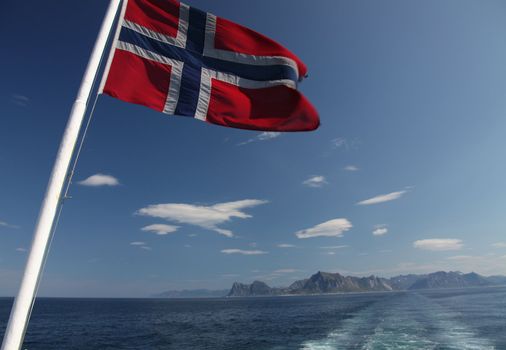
(406, 173)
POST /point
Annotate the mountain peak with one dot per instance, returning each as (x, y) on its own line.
(326, 282)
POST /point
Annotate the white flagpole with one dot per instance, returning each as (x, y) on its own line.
(18, 321)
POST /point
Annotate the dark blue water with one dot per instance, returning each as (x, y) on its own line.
(448, 319)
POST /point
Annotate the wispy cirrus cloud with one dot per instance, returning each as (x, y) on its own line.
(265, 136)
(315, 181)
(268, 135)
(7, 225)
(243, 252)
(331, 228)
(339, 142)
(21, 250)
(160, 229)
(499, 245)
(439, 244)
(141, 245)
(380, 230)
(285, 274)
(281, 271)
(460, 257)
(383, 198)
(208, 217)
(286, 245)
(99, 180)
(333, 247)
(20, 100)
(351, 168)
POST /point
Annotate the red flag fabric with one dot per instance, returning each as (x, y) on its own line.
(179, 60)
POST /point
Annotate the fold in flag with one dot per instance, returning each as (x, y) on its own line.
(179, 60)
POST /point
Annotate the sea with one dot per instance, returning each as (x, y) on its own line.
(456, 319)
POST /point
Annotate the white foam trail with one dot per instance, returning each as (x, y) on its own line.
(408, 322)
(350, 334)
(459, 336)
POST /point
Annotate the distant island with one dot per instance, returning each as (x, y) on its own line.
(193, 293)
(329, 283)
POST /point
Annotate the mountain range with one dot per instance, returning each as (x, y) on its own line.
(326, 283)
(192, 293)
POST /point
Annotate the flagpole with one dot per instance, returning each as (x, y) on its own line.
(20, 314)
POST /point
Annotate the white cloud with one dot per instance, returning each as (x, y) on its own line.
(315, 181)
(20, 100)
(382, 198)
(335, 247)
(243, 252)
(380, 230)
(460, 257)
(439, 244)
(351, 168)
(99, 180)
(331, 228)
(285, 271)
(286, 245)
(160, 229)
(5, 224)
(207, 217)
(339, 142)
(267, 135)
(21, 250)
(329, 253)
(499, 245)
(141, 245)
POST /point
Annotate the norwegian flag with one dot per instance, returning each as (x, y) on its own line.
(179, 60)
